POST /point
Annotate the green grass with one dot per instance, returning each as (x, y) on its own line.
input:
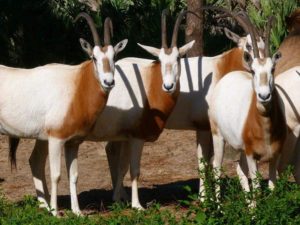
(280, 206)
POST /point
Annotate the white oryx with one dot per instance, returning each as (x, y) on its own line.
(58, 102)
(245, 111)
(137, 109)
(199, 76)
(287, 82)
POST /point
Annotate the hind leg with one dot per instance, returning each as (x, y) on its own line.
(136, 148)
(113, 151)
(37, 162)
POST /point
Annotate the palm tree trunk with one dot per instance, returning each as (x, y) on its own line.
(194, 29)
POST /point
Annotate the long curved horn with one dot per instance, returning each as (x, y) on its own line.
(244, 21)
(108, 31)
(268, 33)
(91, 25)
(255, 30)
(176, 28)
(164, 29)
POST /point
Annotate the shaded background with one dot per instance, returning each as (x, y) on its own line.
(37, 32)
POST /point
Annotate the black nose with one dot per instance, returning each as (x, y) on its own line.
(169, 87)
(111, 83)
(264, 97)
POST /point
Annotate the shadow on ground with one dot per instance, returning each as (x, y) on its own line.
(100, 200)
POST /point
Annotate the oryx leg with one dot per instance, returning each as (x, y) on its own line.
(136, 148)
(204, 153)
(37, 162)
(242, 171)
(273, 171)
(113, 152)
(252, 165)
(56, 147)
(121, 169)
(219, 144)
(71, 155)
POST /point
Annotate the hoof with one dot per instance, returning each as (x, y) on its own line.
(138, 207)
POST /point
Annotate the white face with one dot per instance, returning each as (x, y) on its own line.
(170, 69)
(104, 63)
(170, 63)
(263, 81)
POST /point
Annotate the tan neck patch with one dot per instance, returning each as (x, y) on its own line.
(264, 136)
(230, 61)
(158, 105)
(289, 49)
(89, 100)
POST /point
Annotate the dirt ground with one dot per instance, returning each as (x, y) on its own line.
(167, 165)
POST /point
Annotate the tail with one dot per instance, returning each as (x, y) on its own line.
(13, 143)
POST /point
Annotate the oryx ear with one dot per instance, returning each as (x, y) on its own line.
(86, 47)
(231, 35)
(276, 57)
(120, 46)
(248, 58)
(151, 50)
(183, 50)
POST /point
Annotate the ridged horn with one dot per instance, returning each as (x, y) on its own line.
(108, 31)
(244, 21)
(91, 25)
(176, 28)
(268, 34)
(164, 29)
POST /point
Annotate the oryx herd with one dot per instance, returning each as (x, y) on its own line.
(243, 97)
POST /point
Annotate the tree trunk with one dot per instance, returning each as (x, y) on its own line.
(194, 29)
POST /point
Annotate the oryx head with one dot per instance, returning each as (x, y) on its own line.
(262, 68)
(169, 57)
(260, 65)
(102, 56)
(245, 42)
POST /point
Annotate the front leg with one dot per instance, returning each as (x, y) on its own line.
(37, 162)
(204, 153)
(242, 171)
(252, 165)
(56, 146)
(71, 155)
(273, 171)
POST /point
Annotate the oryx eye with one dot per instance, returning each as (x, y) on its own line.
(248, 47)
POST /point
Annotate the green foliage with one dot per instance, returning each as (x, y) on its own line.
(277, 8)
(280, 206)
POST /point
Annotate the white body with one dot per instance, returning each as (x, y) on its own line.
(232, 92)
(26, 109)
(35, 103)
